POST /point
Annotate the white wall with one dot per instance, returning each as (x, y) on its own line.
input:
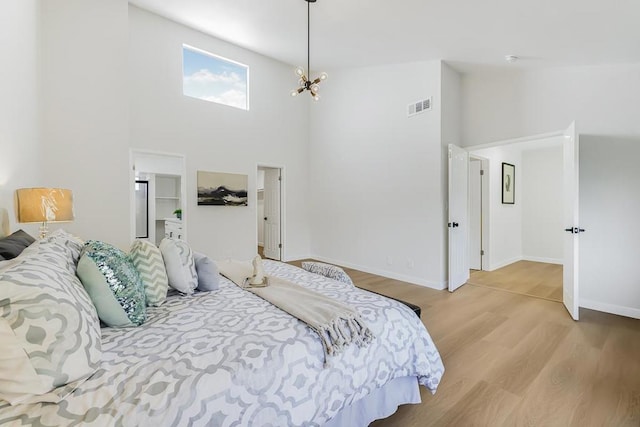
(219, 138)
(506, 104)
(542, 205)
(609, 211)
(603, 102)
(85, 114)
(505, 221)
(376, 175)
(19, 108)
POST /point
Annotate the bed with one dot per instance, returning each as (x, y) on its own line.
(230, 358)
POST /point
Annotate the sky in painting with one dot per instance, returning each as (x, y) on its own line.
(214, 79)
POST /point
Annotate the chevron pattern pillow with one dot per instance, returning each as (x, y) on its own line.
(148, 261)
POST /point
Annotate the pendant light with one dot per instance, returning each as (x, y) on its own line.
(305, 82)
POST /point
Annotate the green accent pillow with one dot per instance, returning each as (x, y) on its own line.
(147, 259)
(113, 284)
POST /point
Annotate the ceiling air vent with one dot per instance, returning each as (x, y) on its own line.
(418, 107)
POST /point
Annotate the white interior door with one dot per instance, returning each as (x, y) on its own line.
(475, 214)
(571, 221)
(458, 221)
(272, 240)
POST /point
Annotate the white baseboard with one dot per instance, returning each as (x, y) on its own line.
(611, 308)
(543, 259)
(290, 258)
(384, 273)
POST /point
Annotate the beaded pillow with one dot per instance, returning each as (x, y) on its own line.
(113, 283)
(147, 259)
(327, 270)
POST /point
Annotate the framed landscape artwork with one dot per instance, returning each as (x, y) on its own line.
(508, 184)
(222, 189)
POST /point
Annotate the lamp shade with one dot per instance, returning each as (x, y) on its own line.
(44, 204)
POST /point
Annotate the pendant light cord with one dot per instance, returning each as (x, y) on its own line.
(308, 38)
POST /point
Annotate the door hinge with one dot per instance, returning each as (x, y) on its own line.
(280, 178)
(280, 245)
(481, 252)
(481, 172)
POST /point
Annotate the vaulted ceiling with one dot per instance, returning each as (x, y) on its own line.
(466, 33)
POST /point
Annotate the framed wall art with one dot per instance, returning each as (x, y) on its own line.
(222, 189)
(508, 184)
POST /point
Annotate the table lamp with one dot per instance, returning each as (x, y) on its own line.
(44, 205)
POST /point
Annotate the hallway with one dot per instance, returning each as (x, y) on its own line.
(536, 279)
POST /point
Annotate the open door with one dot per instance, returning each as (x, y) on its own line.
(272, 242)
(458, 221)
(573, 230)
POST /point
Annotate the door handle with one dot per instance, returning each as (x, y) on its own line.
(265, 218)
(453, 225)
(574, 230)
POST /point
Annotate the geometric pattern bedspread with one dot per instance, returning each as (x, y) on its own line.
(229, 358)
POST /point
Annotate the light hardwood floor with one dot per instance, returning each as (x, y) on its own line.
(513, 360)
(537, 279)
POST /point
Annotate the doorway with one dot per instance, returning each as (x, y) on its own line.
(269, 212)
(503, 229)
(158, 192)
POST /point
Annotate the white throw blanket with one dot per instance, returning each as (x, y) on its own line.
(337, 324)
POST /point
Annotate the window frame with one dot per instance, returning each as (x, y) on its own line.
(218, 58)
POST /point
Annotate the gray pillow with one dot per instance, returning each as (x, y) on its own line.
(327, 270)
(208, 276)
(13, 245)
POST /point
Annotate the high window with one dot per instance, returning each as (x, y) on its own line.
(215, 79)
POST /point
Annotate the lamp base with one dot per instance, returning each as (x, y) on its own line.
(44, 230)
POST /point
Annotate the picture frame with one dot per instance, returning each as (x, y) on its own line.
(508, 184)
(222, 189)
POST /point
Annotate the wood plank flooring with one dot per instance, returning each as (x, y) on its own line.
(513, 360)
(536, 279)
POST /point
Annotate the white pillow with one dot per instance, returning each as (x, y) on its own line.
(49, 329)
(181, 268)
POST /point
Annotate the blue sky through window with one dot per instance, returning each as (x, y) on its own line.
(214, 79)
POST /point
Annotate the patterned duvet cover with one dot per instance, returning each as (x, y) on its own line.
(229, 358)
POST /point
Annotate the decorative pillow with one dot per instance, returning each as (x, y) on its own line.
(13, 245)
(327, 270)
(208, 276)
(147, 259)
(73, 243)
(113, 283)
(181, 268)
(49, 329)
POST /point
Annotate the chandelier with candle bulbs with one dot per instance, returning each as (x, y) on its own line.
(305, 82)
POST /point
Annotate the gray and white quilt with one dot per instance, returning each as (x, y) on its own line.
(229, 358)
